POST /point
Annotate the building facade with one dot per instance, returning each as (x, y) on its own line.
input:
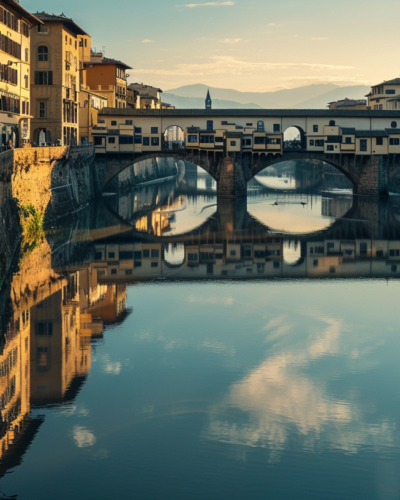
(385, 95)
(15, 73)
(55, 85)
(107, 77)
(348, 104)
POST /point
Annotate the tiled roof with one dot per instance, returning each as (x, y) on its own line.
(393, 130)
(52, 18)
(109, 60)
(371, 133)
(334, 139)
(348, 131)
(395, 81)
(31, 18)
(262, 113)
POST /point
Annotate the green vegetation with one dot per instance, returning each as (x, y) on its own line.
(32, 228)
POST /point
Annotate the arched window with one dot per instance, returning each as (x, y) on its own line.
(43, 53)
(394, 124)
(260, 126)
(332, 123)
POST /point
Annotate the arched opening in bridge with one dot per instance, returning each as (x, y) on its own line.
(294, 139)
(174, 254)
(292, 252)
(174, 139)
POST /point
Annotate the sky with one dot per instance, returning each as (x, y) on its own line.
(247, 45)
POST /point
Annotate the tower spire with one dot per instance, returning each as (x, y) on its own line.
(208, 100)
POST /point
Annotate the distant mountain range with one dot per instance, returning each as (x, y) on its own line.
(307, 97)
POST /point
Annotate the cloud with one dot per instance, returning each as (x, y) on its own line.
(207, 4)
(148, 41)
(232, 40)
(83, 437)
(221, 65)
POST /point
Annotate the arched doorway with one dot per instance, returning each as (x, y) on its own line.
(294, 139)
(174, 139)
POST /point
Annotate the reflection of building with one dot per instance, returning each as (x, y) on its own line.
(15, 109)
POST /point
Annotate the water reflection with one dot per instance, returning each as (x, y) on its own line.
(281, 366)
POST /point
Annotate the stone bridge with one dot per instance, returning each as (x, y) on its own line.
(370, 175)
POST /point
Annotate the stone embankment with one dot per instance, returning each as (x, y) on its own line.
(47, 183)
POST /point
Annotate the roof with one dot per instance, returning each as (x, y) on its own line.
(233, 135)
(193, 130)
(262, 113)
(148, 96)
(371, 133)
(394, 131)
(131, 85)
(32, 19)
(348, 131)
(67, 21)
(109, 60)
(395, 81)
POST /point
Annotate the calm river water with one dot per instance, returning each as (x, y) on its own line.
(165, 345)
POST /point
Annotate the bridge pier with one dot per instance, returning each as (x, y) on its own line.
(232, 182)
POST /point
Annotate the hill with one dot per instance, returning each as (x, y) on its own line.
(309, 96)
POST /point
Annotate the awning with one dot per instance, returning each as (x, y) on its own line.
(9, 121)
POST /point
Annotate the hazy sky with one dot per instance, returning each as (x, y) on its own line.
(256, 45)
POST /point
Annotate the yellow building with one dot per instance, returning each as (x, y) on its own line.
(56, 50)
(147, 97)
(385, 95)
(348, 104)
(15, 105)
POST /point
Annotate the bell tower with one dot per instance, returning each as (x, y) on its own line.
(208, 100)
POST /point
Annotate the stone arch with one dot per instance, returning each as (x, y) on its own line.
(288, 145)
(174, 138)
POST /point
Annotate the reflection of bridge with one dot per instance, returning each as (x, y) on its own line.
(233, 244)
(233, 146)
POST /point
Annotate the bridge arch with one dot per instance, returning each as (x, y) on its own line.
(174, 138)
(294, 138)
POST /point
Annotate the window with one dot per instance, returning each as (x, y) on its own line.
(394, 253)
(111, 255)
(128, 272)
(43, 53)
(249, 124)
(246, 142)
(207, 139)
(332, 269)
(26, 55)
(192, 139)
(393, 124)
(348, 140)
(98, 141)
(138, 263)
(363, 145)
(154, 130)
(42, 28)
(233, 253)
(390, 91)
(259, 140)
(277, 127)
(128, 122)
(315, 262)
(125, 255)
(273, 141)
(329, 147)
(219, 139)
(315, 128)
(113, 123)
(101, 120)
(155, 141)
(138, 130)
(379, 253)
(379, 141)
(26, 81)
(233, 143)
(111, 140)
(260, 126)
(363, 249)
(43, 329)
(330, 246)
(319, 143)
(42, 109)
(155, 254)
(192, 257)
(43, 78)
(146, 141)
(312, 142)
(276, 264)
(113, 271)
(332, 123)
(126, 139)
(210, 125)
(348, 252)
(138, 139)
(394, 142)
(394, 268)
